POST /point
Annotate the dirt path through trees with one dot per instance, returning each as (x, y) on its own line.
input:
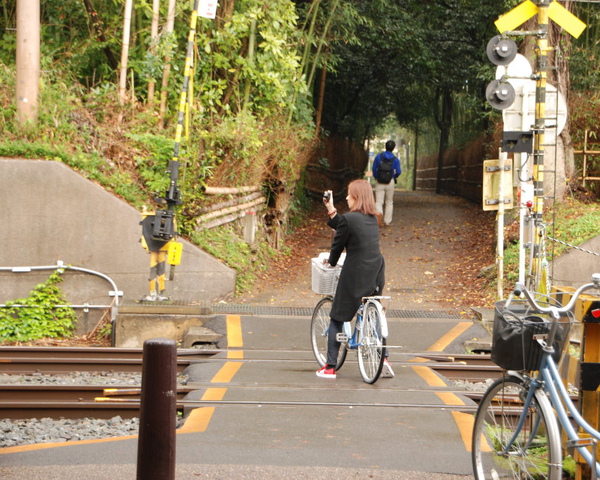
(435, 251)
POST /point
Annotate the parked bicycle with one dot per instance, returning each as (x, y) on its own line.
(516, 432)
(368, 337)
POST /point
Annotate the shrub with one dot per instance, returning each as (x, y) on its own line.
(41, 315)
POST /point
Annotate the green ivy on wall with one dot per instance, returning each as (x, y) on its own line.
(38, 316)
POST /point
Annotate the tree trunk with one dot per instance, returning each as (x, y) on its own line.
(97, 23)
(167, 68)
(444, 122)
(319, 112)
(565, 167)
(250, 59)
(416, 156)
(154, 35)
(125, 52)
(28, 60)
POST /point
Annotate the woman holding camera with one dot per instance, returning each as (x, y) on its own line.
(364, 268)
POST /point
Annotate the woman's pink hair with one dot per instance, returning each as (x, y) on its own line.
(362, 193)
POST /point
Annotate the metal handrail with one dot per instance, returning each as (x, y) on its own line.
(60, 265)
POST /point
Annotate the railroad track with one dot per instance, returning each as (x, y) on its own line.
(18, 401)
(60, 360)
(472, 368)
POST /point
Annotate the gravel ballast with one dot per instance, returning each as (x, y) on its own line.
(47, 430)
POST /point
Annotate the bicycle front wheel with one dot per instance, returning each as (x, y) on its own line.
(319, 330)
(371, 345)
(534, 453)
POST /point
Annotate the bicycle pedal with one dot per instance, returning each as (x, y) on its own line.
(342, 337)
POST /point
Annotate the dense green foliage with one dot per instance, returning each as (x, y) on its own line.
(257, 68)
(255, 90)
(43, 314)
(408, 55)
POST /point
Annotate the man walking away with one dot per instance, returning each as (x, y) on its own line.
(386, 169)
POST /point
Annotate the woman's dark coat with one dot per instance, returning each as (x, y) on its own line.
(363, 270)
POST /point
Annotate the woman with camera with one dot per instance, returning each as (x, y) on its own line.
(364, 267)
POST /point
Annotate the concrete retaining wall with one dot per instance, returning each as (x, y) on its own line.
(50, 213)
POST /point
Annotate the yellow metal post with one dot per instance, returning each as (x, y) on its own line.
(583, 371)
(539, 277)
(159, 228)
(589, 391)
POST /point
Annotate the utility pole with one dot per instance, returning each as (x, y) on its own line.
(28, 60)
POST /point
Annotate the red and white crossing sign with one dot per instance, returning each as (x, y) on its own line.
(208, 8)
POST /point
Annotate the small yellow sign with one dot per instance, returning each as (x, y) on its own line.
(491, 185)
(174, 253)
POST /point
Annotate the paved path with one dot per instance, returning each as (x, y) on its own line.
(430, 234)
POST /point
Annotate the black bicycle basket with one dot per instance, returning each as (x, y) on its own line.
(513, 343)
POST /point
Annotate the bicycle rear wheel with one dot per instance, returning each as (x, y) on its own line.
(371, 344)
(536, 452)
(319, 329)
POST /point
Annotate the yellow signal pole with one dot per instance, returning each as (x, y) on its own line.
(159, 227)
(538, 272)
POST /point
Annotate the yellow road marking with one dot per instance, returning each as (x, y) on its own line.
(234, 331)
(227, 372)
(214, 394)
(463, 421)
(450, 398)
(197, 420)
(447, 339)
(43, 446)
(427, 374)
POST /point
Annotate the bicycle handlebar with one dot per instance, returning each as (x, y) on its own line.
(521, 289)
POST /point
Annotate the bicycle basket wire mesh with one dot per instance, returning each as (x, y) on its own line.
(324, 277)
(513, 343)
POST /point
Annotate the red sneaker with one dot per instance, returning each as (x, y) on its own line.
(326, 372)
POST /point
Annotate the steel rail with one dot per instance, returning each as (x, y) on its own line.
(59, 360)
(19, 401)
(443, 406)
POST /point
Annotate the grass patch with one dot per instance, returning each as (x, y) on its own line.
(227, 245)
(575, 222)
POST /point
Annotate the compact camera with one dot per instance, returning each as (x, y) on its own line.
(326, 196)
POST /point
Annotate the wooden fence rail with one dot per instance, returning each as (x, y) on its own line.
(586, 154)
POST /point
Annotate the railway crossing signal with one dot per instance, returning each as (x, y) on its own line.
(159, 228)
(500, 93)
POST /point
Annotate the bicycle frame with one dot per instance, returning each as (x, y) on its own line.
(351, 335)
